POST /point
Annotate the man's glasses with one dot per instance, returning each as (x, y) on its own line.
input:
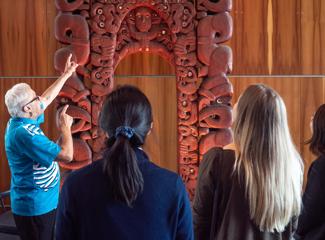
(34, 99)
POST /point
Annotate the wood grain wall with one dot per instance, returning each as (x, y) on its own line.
(271, 37)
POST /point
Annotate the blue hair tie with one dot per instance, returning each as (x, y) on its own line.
(125, 131)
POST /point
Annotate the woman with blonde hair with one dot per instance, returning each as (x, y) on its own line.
(251, 190)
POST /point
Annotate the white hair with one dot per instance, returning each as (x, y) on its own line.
(16, 97)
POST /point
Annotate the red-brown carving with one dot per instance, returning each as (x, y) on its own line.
(100, 33)
(215, 91)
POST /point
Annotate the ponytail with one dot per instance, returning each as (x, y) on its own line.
(126, 117)
(122, 170)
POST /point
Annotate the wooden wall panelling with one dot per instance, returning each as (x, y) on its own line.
(52, 43)
(249, 41)
(144, 64)
(313, 37)
(23, 42)
(297, 33)
(161, 144)
(286, 55)
(312, 96)
(301, 96)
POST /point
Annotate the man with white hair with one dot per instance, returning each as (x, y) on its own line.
(32, 157)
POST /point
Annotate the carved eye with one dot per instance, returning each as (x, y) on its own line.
(69, 33)
(99, 11)
(102, 24)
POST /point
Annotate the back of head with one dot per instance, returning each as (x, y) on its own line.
(317, 141)
(267, 158)
(126, 117)
(16, 97)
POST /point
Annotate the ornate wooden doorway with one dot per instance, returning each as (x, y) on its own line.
(187, 33)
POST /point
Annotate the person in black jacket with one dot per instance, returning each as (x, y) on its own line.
(311, 224)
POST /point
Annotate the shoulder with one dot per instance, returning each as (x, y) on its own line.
(218, 160)
(177, 183)
(217, 166)
(318, 165)
(319, 162)
(28, 130)
(21, 134)
(157, 173)
(218, 153)
(162, 182)
(85, 174)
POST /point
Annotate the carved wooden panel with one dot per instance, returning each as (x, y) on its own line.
(100, 33)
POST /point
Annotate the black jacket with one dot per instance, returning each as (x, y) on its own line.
(220, 209)
(311, 224)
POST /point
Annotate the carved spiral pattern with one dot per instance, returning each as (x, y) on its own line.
(100, 33)
(215, 92)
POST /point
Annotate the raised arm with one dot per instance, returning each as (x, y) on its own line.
(51, 93)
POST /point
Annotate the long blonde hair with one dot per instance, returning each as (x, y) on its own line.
(267, 159)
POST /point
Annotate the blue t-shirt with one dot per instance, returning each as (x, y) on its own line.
(35, 177)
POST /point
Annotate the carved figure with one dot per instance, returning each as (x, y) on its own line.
(190, 37)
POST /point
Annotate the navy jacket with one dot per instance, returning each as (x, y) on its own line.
(86, 210)
(311, 224)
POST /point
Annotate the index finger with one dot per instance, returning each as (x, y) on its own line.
(64, 109)
(69, 58)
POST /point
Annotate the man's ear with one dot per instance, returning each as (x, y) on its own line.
(27, 109)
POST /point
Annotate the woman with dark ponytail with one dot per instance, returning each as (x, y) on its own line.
(124, 195)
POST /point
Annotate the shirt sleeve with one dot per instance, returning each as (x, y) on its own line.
(32, 142)
(185, 221)
(313, 211)
(204, 195)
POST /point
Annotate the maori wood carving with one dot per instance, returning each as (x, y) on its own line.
(188, 34)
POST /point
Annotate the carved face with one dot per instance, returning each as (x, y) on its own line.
(143, 19)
